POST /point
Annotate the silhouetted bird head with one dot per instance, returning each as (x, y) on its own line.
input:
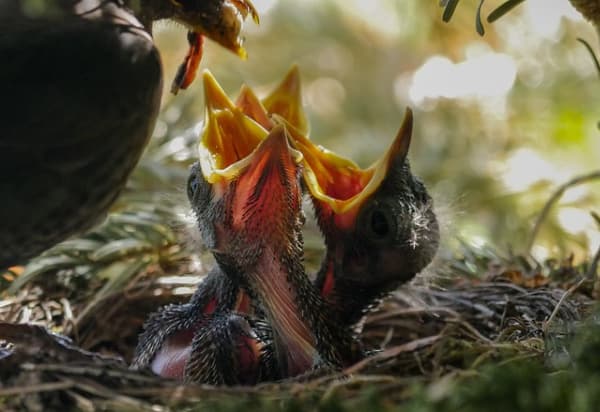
(219, 20)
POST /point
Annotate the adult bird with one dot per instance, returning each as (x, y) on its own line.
(81, 85)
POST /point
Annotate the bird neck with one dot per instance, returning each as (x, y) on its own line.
(348, 300)
(306, 330)
(278, 285)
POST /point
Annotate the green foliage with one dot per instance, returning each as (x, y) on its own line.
(523, 385)
(450, 7)
(116, 251)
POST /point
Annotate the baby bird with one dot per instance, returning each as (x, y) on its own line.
(348, 297)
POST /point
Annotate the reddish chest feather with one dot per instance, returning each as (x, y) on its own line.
(170, 360)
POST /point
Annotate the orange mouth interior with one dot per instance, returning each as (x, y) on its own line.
(229, 137)
(234, 130)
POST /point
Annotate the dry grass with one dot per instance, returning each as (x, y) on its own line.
(513, 310)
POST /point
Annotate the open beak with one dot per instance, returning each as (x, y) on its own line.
(233, 130)
(267, 183)
(229, 136)
(337, 182)
(334, 181)
(284, 101)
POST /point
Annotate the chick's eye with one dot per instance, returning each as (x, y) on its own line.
(192, 185)
(378, 223)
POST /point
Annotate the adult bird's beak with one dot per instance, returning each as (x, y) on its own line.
(220, 21)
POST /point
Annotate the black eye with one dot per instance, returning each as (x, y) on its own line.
(192, 185)
(378, 223)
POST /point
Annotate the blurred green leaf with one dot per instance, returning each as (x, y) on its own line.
(569, 127)
(76, 246)
(41, 266)
(120, 248)
(118, 274)
(145, 223)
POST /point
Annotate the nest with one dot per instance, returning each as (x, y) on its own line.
(478, 308)
(419, 334)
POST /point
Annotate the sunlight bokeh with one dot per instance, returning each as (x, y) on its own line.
(501, 120)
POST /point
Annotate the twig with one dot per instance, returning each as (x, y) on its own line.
(591, 51)
(392, 352)
(42, 387)
(360, 379)
(565, 295)
(591, 273)
(552, 200)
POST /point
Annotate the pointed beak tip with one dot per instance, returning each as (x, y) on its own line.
(292, 83)
(207, 76)
(277, 138)
(276, 143)
(408, 117)
(214, 95)
(294, 72)
(400, 146)
(209, 83)
(241, 53)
